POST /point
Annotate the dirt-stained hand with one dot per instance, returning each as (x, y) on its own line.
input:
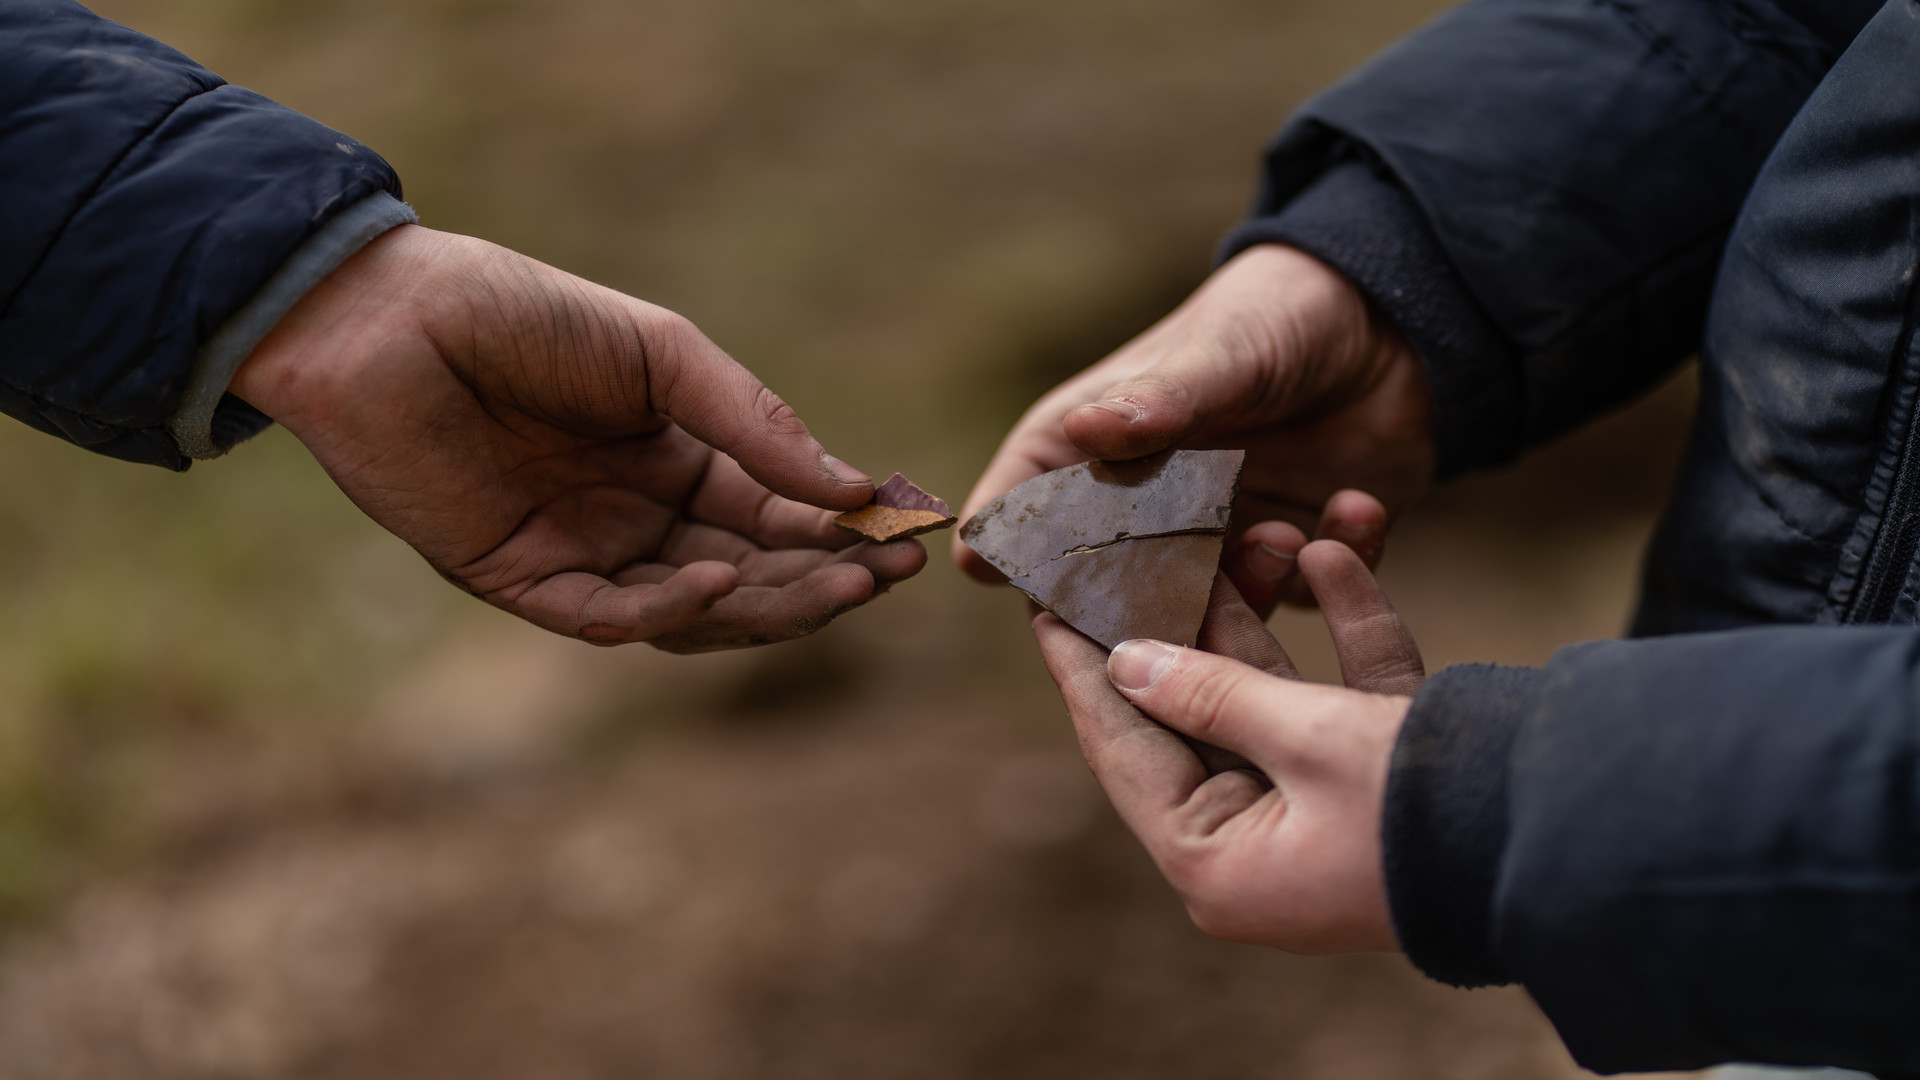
(587, 461)
(1277, 354)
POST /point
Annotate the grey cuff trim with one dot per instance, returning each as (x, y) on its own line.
(192, 424)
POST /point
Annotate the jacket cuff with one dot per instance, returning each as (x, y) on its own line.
(1363, 224)
(210, 421)
(1444, 825)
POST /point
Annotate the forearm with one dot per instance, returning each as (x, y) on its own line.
(1690, 850)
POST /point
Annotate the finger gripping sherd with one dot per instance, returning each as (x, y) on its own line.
(1212, 699)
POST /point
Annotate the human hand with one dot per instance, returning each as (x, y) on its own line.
(1276, 842)
(587, 461)
(1277, 354)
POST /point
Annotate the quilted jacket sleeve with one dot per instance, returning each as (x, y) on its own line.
(1538, 191)
(1690, 850)
(156, 222)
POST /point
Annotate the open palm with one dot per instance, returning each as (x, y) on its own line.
(585, 460)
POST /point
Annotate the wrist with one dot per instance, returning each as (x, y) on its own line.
(1339, 343)
(317, 351)
(1356, 387)
(1359, 219)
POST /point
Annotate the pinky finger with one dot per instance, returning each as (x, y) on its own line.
(591, 608)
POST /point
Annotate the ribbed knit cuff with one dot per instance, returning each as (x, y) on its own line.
(1360, 222)
(209, 421)
(1445, 821)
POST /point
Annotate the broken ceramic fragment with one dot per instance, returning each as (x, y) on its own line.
(1116, 549)
(899, 509)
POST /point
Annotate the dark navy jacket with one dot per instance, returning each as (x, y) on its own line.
(1702, 845)
(154, 222)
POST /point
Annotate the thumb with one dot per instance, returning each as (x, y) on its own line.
(1206, 377)
(1221, 702)
(1266, 337)
(708, 393)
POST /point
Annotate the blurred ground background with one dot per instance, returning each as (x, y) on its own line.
(274, 802)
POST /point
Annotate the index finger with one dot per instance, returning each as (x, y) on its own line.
(707, 392)
(1157, 783)
(1145, 768)
(1233, 629)
(1377, 651)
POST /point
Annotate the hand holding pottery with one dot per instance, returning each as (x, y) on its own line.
(1118, 551)
(1277, 354)
(1259, 796)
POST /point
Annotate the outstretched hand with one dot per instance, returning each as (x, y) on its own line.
(587, 461)
(1258, 795)
(1277, 354)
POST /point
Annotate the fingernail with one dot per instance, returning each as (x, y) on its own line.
(1269, 565)
(1362, 542)
(1122, 408)
(842, 471)
(1136, 665)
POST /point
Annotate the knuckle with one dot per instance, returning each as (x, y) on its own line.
(1384, 652)
(663, 341)
(766, 514)
(1221, 911)
(1212, 698)
(1214, 915)
(1388, 673)
(802, 625)
(604, 635)
(1165, 383)
(1190, 864)
(776, 416)
(1209, 919)
(1252, 335)
(1184, 865)
(670, 330)
(588, 617)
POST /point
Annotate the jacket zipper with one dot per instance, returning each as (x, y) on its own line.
(1894, 545)
(1897, 540)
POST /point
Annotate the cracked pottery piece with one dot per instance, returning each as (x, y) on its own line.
(1117, 550)
(899, 509)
